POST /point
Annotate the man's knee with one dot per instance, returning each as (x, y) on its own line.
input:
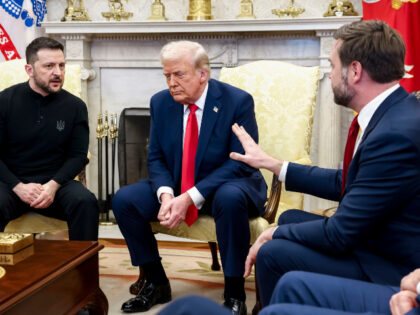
(73, 197)
(231, 200)
(120, 200)
(288, 216)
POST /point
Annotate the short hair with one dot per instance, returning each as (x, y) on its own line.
(38, 44)
(177, 49)
(379, 49)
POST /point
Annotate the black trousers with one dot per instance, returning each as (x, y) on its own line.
(73, 203)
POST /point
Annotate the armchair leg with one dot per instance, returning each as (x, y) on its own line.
(138, 285)
(215, 263)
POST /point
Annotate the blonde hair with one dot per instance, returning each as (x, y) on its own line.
(178, 49)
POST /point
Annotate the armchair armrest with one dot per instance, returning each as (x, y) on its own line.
(273, 200)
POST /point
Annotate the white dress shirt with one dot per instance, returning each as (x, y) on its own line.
(195, 195)
(363, 119)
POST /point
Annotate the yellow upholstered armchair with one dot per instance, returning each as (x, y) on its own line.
(13, 72)
(285, 99)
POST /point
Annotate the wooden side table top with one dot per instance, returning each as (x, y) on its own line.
(50, 260)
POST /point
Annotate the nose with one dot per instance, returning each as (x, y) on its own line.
(57, 70)
(172, 81)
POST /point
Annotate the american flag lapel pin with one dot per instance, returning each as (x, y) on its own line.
(215, 109)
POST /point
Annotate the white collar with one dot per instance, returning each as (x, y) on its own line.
(370, 108)
(201, 101)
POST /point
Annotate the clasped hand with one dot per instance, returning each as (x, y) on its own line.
(173, 209)
(36, 195)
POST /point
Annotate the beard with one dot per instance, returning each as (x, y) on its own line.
(343, 94)
(45, 86)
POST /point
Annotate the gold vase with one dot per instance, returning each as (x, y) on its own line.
(200, 10)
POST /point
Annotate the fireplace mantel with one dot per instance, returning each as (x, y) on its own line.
(313, 25)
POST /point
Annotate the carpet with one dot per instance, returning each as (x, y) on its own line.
(187, 267)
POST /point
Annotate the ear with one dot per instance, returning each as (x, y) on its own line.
(29, 70)
(355, 71)
(203, 75)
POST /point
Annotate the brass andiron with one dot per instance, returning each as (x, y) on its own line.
(340, 8)
(99, 135)
(104, 132)
(73, 13)
(246, 10)
(113, 134)
(117, 11)
(200, 10)
(158, 12)
(291, 10)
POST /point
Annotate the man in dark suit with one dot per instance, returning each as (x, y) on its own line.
(305, 293)
(190, 169)
(375, 233)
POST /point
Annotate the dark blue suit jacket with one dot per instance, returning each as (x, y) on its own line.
(224, 106)
(378, 218)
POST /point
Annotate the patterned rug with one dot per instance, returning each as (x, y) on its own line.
(187, 267)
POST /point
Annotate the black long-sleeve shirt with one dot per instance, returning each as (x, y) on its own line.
(41, 138)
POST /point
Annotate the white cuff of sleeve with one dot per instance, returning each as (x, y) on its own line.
(283, 171)
(418, 288)
(196, 197)
(164, 189)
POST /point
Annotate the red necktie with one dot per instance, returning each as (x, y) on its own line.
(348, 152)
(188, 161)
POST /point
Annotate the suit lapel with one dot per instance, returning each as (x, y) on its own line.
(395, 97)
(212, 109)
(175, 123)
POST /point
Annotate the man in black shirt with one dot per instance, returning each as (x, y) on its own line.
(44, 137)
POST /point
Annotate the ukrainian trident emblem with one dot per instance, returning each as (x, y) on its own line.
(60, 125)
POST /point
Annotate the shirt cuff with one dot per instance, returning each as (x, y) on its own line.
(283, 172)
(164, 189)
(196, 197)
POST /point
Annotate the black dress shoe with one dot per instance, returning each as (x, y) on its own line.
(151, 294)
(136, 287)
(236, 306)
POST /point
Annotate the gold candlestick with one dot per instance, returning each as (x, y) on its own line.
(200, 10)
(158, 12)
(340, 8)
(246, 10)
(73, 13)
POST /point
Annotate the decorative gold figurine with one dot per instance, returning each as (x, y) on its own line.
(246, 10)
(291, 10)
(117, 11)
(200, 10)
(158, 12)
(340, 8)
(73, 13)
